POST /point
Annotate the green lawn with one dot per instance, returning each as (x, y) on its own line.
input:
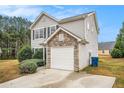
(8, 70)
(109, 67)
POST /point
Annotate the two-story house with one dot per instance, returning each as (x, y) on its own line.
(68, 43)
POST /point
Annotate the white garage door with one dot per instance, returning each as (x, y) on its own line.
(62, 58)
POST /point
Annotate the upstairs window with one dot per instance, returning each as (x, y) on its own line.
(57, 26)
(36, 34)
(41, 33)
(44, 32)
(48, 31)
(53, 28)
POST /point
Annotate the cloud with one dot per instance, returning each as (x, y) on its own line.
(58, 6)
(32, 11)
(23, 11)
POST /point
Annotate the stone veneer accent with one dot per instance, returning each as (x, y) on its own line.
(68, 41)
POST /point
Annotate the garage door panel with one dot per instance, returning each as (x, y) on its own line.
(62, 58)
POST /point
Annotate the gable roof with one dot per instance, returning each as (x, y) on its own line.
(41, 14)
(106, 45)
(69, 19)
(65, 30)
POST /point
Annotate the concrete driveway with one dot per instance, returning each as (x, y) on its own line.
(83, 80)
(41, 78)
(51, 78)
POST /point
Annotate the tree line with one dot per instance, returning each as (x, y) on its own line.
(14, 33)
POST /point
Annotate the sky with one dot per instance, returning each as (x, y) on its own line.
(110, 18)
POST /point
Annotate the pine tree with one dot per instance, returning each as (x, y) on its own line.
(120, 39)
(14, 33)
(119, 45)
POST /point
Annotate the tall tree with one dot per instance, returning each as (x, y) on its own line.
(14, 33)
(118, 50)
(120, 39)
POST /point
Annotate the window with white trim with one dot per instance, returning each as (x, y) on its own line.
(44, 32)
(41, 33)
(53, 28)
(36, 34)
(48, 31)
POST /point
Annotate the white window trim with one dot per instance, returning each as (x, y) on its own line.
(46, 32)
(42, 33)
(43, 30)
(50, 28)
(39, 28)
(35, 34)
(38, 32)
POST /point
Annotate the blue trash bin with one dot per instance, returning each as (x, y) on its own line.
(94, 61)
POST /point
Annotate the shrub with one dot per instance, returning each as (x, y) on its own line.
(116, 53)
(28, 67)
(24, 53)
(38, 54)
(39, 62)
(122, 50)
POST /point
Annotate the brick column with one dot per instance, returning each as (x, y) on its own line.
(48, 58)
(76, 58)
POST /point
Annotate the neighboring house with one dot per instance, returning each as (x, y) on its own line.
(67, 43)
(105, 47)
